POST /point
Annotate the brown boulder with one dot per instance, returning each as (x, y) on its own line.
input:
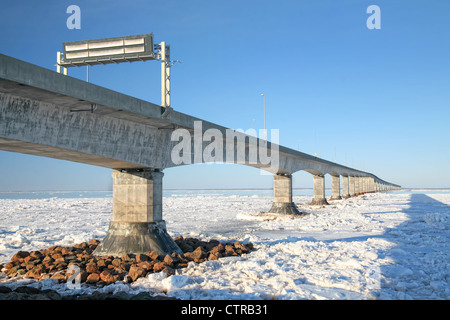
(57, 257)
(141, 257)
(116, 262)
(44, 276)
(159, 266)
(169, 260)
(148, 266)
(35, 272)
(202, 244)
(185, 247)
(82, 245)
(20, 255)
(91, 268)
(108, 277)
(169, 271)
(93, 278)
(70, 258)
(65, 251)
(197, 254)
(240, 246)
(214, 256)
(101, 263)
(218, 248)
(229, 251)
(51, 267)
(136, 272)
(29, 266)
(83, 276)
(126, 257)
(154, 255)
(52, 250)
(9, 265)
(58, 276)
(126, 266)
(48, 259)
(36, 254)
(178, 239)
(192, 242)
(94, 242)
(60, 265)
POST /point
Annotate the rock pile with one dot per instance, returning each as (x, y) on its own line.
(30, 293)
(58, 262)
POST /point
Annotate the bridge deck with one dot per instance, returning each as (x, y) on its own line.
(22, 79)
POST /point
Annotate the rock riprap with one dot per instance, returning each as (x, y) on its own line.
(59, 262)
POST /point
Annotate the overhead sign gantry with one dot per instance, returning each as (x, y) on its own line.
(118, 50)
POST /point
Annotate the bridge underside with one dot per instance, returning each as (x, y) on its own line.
(58, 153)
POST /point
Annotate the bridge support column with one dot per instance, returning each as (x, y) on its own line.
(372, 185)
(345, 187)
(362, 185)
(351, 185)
(282, 195)
(335, 188)
(358, 186)
(137, 225)
(319, 191)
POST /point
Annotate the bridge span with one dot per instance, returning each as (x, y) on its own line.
(49, 114)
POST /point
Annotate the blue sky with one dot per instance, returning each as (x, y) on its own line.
(377, 100)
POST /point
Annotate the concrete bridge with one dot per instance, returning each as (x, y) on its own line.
(48, 114)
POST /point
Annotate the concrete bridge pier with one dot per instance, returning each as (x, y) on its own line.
(367, 185)
(335, 188)
(137, 225)
(357, 192)
(352, 186)
(372, 185)
(362, 184)
(282, 195)
(319, 191)
(359, 184)
(345, 187)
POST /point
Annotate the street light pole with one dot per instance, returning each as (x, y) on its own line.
(265, 132)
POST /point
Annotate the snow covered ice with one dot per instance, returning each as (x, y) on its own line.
(377, 246)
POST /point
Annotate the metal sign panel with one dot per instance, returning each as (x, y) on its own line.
(109, 50)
